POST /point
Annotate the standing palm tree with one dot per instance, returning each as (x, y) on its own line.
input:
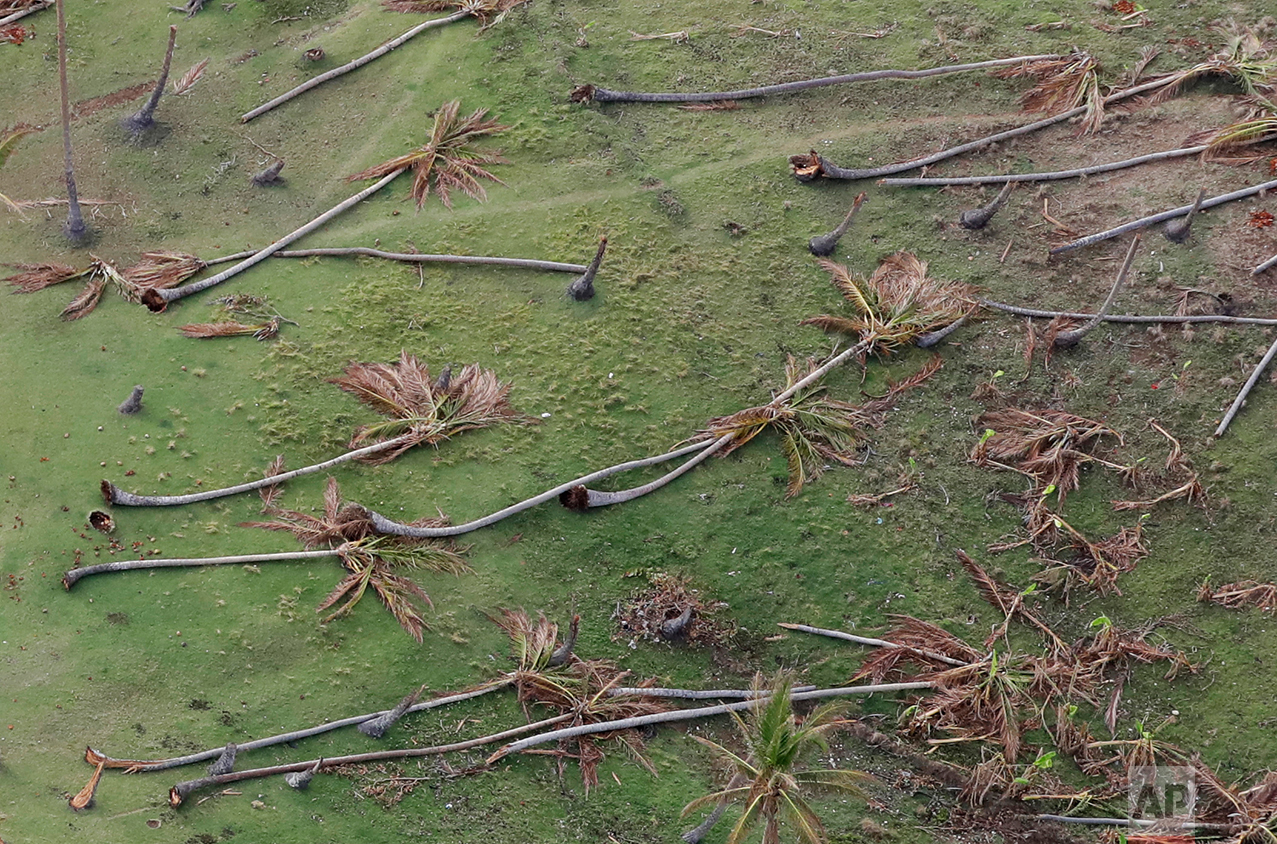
(769, 780)
(75, 229)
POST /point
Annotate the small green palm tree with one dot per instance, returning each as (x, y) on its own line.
(769, 780)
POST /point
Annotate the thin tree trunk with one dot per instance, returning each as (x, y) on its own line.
(1154, 219)
(1177, 231)
(93, 757)
(933, 338)
(1133, 319)
(833, 171)
(158, 300)
(978, 218)
(1141, 823)
(582, 289)
(347, 68)
(695, 834)
(145, 118)
(866, 640)
(1266, 265)
(179, 792)
(1065, 339)
(114, 495)
(384, 525)
(1049, 176)
(690, 714)
(586, 93)
(697, 694)
(413, 258)
(1246, 388)
(17, 16)
(75, 575)
(75, 229)
(594, 498)
(822, 246)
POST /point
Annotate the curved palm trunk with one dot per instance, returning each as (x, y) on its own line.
(158, 300)
(934, 338)
(1049, 176)
(182, 790)
(690, 714)
(1154, 219)
(1067, 339)
(412, 258)
(588, 93)
(1266, 265)
(133, 766)
(1246, 388)
(1132, 319)
(1177, 231)
(694, 835)
(114, 495)
(583, 499)
(145, 118)
(978, 218)
(347, 68)
(383, 525)
(582, 289)
(75, 575)
(75, 229)
(824, 245)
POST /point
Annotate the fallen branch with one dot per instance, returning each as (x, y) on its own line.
(1246, 388)
(413, 258)
(158, 300)
(131, 766)
(1049, 176)
(1134, 319)
(384, 525)
(75, 575)
(1269, 264)
(591, 93)
(690, 714)
(179, 792)
(22, 14)
(865, 640)
(354, 65)
(114, 495)
(1154, 219)
(697, 694)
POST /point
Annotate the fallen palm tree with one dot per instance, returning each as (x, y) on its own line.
(144, 119)
(487, 11)
(1068, 338)
(419, 410)
(822, 246)
(1048, 176)
(446, 162)
(1236, 406)
(413, 258)
(1162, 217)
(1130, 319)
(591, 93)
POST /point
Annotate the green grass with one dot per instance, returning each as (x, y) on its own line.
(691, 322)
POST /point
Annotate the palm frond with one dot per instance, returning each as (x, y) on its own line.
(207, 330)
(39, 276)
(159, 270)
(87, 299)
(188, 80)
(487, 11)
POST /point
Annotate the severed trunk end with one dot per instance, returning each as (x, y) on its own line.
(577, 498)
(978, 218)
(807, 168)
(582, 289)
(270, 176)
(225, 763)
(133, 403)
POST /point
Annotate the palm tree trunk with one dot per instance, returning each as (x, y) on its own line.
(75, 229)
(1266, 265)
(1050, 176)
(822, 246)
(347, 68)
(145, 118)
(1133, 319)
(1246, 388)
(17, 16)
(694, 835)
(1066, 339)
(158, 300)
(696, 694)
(413, 258)
(866, 640)
(383, 525)
(586, 93)
(690, 714)
(93, 757)
(182, 790)
(1154, 219)
(75, 575)
(115, 495)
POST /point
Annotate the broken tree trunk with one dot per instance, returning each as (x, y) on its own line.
(582, 289)
(158, 300)
(822, 246)
(1266, 265)
(592, 93)
(114, 495)
(1068, 339)
(978, 218)
(1154, 219)
(866, 640)
(1133, 319)
(349, 66)
(384, 525)
(144, 118)
(1246, 388)
(75, 230)
(75, 575)
(413, 258)
(1049, 176)
(1177, 231)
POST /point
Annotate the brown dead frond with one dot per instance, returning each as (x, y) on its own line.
(86, 300)
(270, 493)
(160, 270)
(1081, 562)
(652, 613)
(1008, 601)
(422, 410)
(987, 700)
(447, 162)
(488, 12)
(206, 330)
(1241, 594)
(35, 277)
(1063, 83)
(188, 80)
(1048, 446)
(919, 642)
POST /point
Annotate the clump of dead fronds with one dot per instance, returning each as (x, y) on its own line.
(489, 12)
(1063, 84)
(654, 611)
(423, 410)
(447, 162)
(371, 560)
(896, 305)
(550, 675)
(35, 277)
(1241, 594)
(1245, 59)
(207, 330)
(157, 271)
